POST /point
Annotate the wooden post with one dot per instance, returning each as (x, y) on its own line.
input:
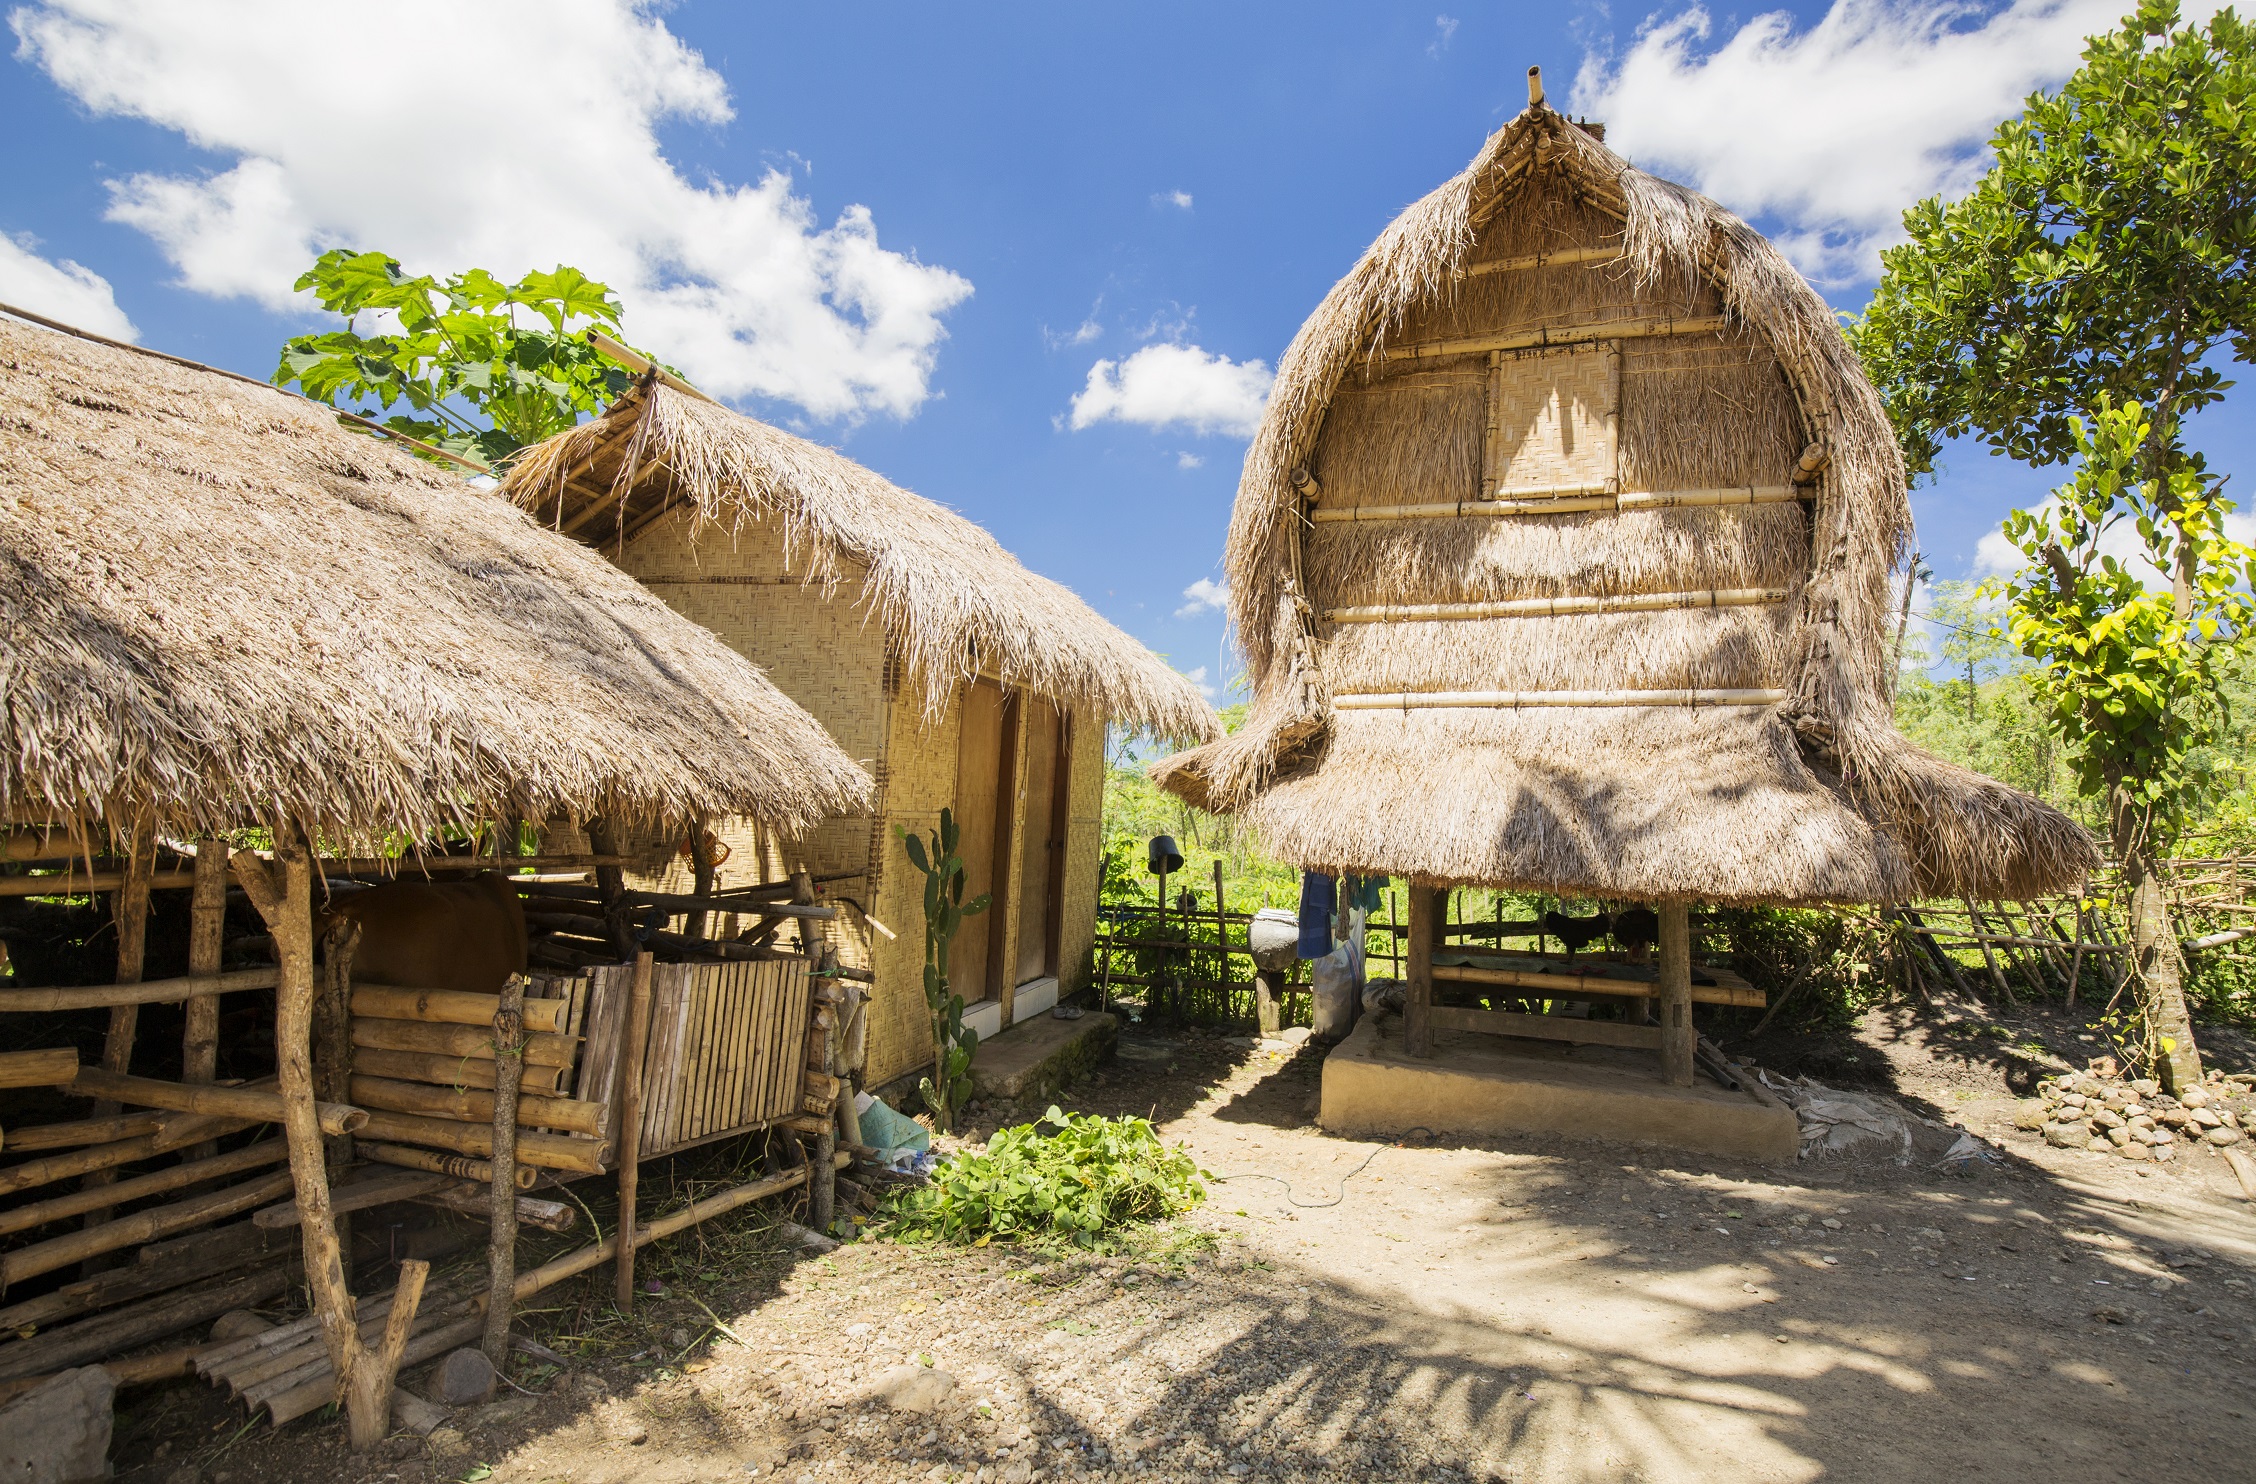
(1418, 981)
(332, 1043)
(629, 1082)
(501, 1239)
(1268, 991)
(129, 910)
(1678, 1039)
(611, 881)
(1222, 940)
(383, 1368)
(207, 929)
(283, 894)
(706, 874)
(2076, 964)
(822, 1179)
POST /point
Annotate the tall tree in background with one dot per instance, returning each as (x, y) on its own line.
(2100, 262)
(458, 350)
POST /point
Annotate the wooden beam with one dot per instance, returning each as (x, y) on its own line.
(1565, 607)
(1548, 1028)
(1564, 335)
(1567, 500)
(1513, 700)
(628, 1082)
(68, 884)
(1678, 1039)
(1578, 986)
(193, 988)
(1565, 257)
(1418, 972)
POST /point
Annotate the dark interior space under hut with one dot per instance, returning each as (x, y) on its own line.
(296, 732)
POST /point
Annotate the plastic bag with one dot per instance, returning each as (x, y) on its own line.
(1331, 981)
(886, 1131)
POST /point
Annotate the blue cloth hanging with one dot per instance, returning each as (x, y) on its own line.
(1318, 896)
(1363, 892)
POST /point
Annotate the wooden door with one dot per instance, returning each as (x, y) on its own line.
(984, 766)
(1042, 831)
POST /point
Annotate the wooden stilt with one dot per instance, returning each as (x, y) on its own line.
(332, 1045)
(129, 910)
(1268, 995)
(372, 1418)
(501, 1238)
(628, 1080)
(207, 933)
(1417, 984)
(1678, 1039)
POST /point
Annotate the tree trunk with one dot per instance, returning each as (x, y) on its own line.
(2156, 964)
(501, 1234)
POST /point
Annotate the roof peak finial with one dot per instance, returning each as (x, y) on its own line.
(1535, 87)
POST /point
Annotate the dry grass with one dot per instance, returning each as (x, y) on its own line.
(1819, 799)
(952, 601)
(225, 610)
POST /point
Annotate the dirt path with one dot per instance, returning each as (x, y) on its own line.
(1531, 1309)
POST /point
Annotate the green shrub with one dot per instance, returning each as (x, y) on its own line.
(1073, 1178)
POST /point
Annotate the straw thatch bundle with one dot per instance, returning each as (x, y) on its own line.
(223, 609)
(1631, 636)
(952, 602)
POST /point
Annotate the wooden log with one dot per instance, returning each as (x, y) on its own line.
(548, 1151)
(470, 1200)
(628, 1081)
(99, 1198)
(141, 1226)
(1570, 500)
(1678, 1038)
(51, 1068)
(464, 1105)
(321, 1389)
(27, 1138)
(444, 1071)
(252, 1103)
(1577, 986)
(134, 1325)
(458, 1166)
(66, 884)
(405, 866)
(192, 988)
(161, 1266)
(139, 1370)
(595, 1254)
(1620, 329)
(1548, 1027)
(129, 910)
(380, 1189)
(501, 1237)
(332, 1047)
(474, 1042)
(372, 1417)
(1418, 972)
(1562, 607)
(207, 940)
(1514, 700)
(177, 1132)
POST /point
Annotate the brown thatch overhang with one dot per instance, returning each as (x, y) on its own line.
(953, 603)
(223, 609)
(1731, 742)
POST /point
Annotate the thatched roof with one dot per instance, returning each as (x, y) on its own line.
(225, 610)
(954, 603)
(1636, 642)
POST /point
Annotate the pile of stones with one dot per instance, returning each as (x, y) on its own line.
(2136, 1119)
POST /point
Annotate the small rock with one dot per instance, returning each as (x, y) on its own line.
(856, 1331)
(446, 1442)
(464, 1379)
(1294, 1035)
(2195, 1098)
(2108, 1118)
(2067, 1135)
(913, 1388)
(677, 1337)
(1831, 1223)
(59, 1431)
(2208, 1118)
(2119, 1136)
(2145, 1087)
(2222, 1136)
(2029, 1116)
(237, 1324)
(2134, 1150)
(631, 1431)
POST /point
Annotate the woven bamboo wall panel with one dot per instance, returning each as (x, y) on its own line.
(920, 782)
(1549, 410)
(1084, 850)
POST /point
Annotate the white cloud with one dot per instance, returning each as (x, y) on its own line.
(1198, 680)
(1080, 334)
(1204, 594)
(1994, 556)
(1175, 386)
(1181, 200)
(1834, 130)
(448, 159)
(1188, 460)
(61, 290)
(1445, 31)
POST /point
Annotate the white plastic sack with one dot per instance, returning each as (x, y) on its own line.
(1332, 985)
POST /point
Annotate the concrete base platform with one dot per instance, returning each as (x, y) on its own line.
(1040, 1054)
(1481, 1084)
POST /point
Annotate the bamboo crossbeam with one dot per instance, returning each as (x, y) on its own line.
(470, 1105)
(1565, 257)
(1513, 700)
(450, 1007)
(93, 1341)
(1545, 1027)
(555, 1216)
(1575, 986)
(1567, 500)
(457, 1166)
(1625, 329)
(54, 1067)
(148, 992)
(82, 1131)
(379, 1189)
(226, 1102)
(446, 1071)
(67, 885)
(141, 1226)
(475, 1042)
(549, 1151)
(101, 1197)
(176, 1132)
(1732, 597)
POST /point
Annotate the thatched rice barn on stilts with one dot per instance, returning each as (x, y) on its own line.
(963, 680)
(1562, 562)
(232, 623)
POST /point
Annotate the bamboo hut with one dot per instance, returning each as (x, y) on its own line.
(963, 680)
(232, 618)
(1562, 562)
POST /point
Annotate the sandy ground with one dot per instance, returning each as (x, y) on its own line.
(1526, 1309)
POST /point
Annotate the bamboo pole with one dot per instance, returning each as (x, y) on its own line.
(1561, 607)
(128, 1328)
(464, 1105)
(55, 1066)
(1562, 335)
(459, 1166)
(175, 1133)
(207, 932)
(471, 1041)
(24, 1140)
(470, 1200)
(548, 1151)
(1997, 975)
(451, 1007)
(129, 910)
(1571, 985)
(102, 1197)
(1679, 1040)
(1418, 980)
(382, 1189)
(445, 1071)
(1576, 499)
(628, 1081)
(140, 1227)
(68, 885)
(1459, 700)
(1564, 257)
(501, 1237)
(227, 1102)
(194, 989)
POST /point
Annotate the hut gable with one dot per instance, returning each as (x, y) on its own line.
(1562, 561)
(225, 609)
(948, 600)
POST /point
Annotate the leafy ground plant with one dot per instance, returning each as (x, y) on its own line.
(1074, 1178)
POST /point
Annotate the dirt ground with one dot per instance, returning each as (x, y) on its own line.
(1527, 1308)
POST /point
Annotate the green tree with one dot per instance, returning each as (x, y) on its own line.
(2099, 263)
(458, 350)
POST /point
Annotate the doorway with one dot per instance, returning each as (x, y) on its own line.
(1008, 808)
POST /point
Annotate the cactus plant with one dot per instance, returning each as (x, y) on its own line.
(953, 1042)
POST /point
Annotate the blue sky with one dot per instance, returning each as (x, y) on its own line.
(940, 238)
